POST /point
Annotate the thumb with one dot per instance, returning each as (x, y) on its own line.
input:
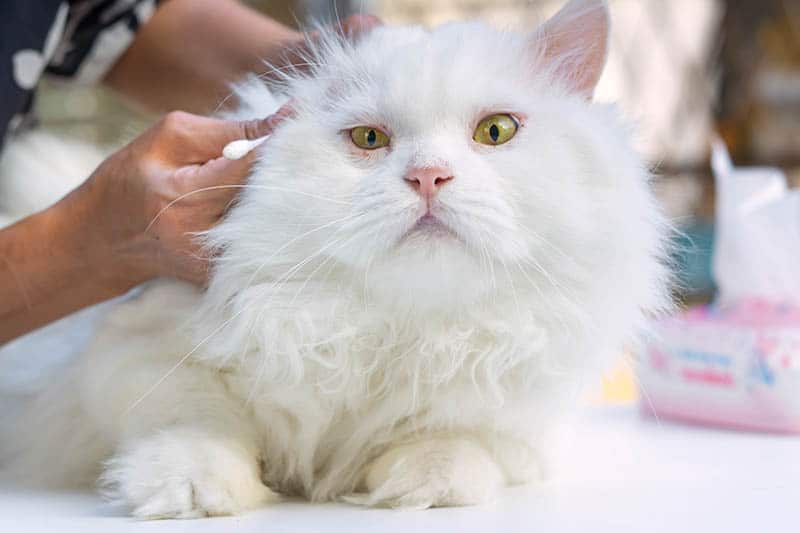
(210, 135)
(253, 129)
(359, 23)
(219, 174)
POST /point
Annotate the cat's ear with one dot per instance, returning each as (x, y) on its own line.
(574, 44)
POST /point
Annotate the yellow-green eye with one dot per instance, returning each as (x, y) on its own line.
(495, 129)
(369, 138)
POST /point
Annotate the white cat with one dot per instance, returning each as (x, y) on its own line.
(430, 258)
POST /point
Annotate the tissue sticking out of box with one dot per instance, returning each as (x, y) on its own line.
(757, 233)
(736, 363)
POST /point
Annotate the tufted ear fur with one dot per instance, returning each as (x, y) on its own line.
(574, 43)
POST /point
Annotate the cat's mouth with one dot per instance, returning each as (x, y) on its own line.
(429, 225)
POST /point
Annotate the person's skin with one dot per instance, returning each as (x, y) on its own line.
(206, 44)
(110, 234)
(137, 216)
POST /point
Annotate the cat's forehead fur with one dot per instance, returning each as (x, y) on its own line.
(416, 77)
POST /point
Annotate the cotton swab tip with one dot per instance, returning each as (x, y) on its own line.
(238, 149)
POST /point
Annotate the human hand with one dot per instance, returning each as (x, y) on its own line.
(141, 210)
(137, 216)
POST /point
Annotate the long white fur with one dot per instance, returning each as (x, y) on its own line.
(330, 357)
(40, 167)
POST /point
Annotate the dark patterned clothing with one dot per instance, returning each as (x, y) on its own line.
(77, 40)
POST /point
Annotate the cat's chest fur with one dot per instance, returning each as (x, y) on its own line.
(314, 440)
(331, 384)
(326, 386)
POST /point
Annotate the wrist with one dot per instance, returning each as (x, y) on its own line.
(50, 266)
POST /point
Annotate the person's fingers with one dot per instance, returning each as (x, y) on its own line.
(223, 171)
(356, 24)
(253, 129)
(220, 171)
(221, 176)
(192, 139)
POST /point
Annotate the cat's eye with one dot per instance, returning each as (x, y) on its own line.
(495, 129)
(369, 138)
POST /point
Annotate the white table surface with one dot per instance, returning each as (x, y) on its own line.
(622, 474)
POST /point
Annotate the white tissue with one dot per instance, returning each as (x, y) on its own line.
(757, 243)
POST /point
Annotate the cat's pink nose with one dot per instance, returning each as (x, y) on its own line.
(428, 180)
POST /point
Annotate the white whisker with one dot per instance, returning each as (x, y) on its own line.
(240, 186)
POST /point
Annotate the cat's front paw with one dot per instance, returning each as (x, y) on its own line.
(438, 472)
(185, 474)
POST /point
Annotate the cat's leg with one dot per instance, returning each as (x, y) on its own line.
(188, 449)
(521, 459)
(186, 472)
(436, 472)
(184, 445)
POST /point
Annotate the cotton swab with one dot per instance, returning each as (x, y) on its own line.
(238, 149)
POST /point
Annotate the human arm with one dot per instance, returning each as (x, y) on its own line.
(190, 51)
(124, 225)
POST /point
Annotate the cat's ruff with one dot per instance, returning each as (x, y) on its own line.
(342, 350)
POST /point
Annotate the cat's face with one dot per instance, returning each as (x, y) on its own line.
(432, 204)
(435, 165)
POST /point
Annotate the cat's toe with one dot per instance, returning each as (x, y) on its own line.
(168, 477)
(172, 500)
(183, 498)
(434, 473)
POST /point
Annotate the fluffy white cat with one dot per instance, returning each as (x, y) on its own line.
(429, 260)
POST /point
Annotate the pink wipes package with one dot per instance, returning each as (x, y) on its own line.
(737, 367)
(736, 363)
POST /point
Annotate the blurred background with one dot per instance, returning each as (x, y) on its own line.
(680, 69)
